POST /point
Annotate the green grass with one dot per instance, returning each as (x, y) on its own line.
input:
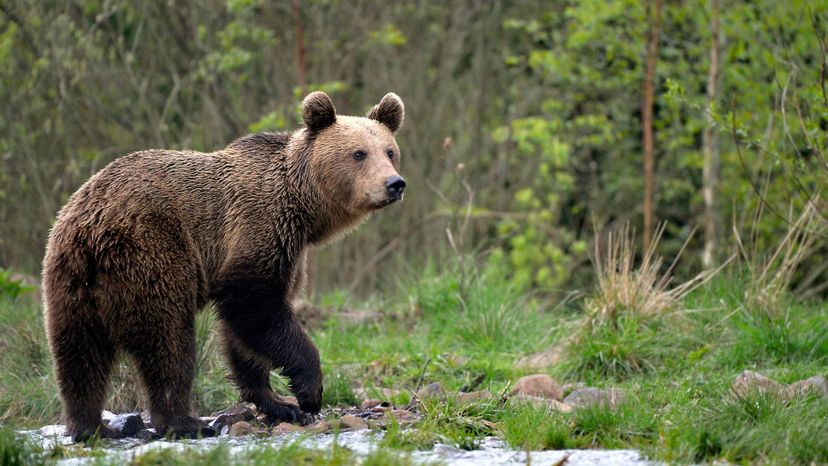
(455, 327)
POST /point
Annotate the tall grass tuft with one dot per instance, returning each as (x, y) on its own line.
(478, 306)
(769, 277)
(765, 327)
(632, 302)
(626, 290)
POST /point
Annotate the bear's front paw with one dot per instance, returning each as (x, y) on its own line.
(278, 412)
(310, 401)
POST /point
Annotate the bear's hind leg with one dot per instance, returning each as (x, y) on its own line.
(83, 356)
(165, 354)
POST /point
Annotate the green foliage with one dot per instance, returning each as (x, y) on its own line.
(763, 339)
(754, 428)
(629, 348)
(11, 287)
(538, 102)
(338, 391)
(17, 450)
(478, 306)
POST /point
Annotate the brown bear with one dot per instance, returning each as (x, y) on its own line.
(153, 237)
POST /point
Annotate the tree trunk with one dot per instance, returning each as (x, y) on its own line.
(712, 161)
(302, 76)
(301, 68)
(654, 25)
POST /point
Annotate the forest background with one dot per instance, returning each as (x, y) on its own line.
(531, 125)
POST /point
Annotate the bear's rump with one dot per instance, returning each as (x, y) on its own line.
(133, 271)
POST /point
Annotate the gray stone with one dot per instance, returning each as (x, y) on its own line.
(352, 423)
(371, 404)
(358, 317)
(230, 416)
(384, 394)
(285, 428)
(542, 360)
(816, 385)
(752, 382)
(538, 385)
(403, 416)
(571, 387)
(127, 424)
(473, 397)
(432, 390)
(319, 427)
(539, 402)
(591, 396)
(240, 429)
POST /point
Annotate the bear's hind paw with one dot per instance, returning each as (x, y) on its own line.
(102, 431)
(186, 427)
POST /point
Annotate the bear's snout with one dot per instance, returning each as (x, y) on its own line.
(395, 186)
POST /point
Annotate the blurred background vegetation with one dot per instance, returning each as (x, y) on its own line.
(525, 128)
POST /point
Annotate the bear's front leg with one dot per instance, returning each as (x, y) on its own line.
(259, 337)
(251, 374)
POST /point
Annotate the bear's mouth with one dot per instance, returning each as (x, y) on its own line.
(385, 202)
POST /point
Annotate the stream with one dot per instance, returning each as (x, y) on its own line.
(362, 442)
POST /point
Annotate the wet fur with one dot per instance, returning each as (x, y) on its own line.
(152, 238)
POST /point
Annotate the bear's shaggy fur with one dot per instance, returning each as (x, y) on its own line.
(152, 238)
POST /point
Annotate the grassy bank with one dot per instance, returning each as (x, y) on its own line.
(676, 360)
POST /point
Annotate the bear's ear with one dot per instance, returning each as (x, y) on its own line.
(390, 112)
(318, 111)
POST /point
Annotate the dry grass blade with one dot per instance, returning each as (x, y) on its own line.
(770, 277)
(643, 291)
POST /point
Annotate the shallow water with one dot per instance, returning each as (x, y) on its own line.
(492, 450)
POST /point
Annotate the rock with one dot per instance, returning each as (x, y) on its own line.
(537, 401)
(230, 416)
(147, 435)
(403, 416)
(352, 423)
(320, 427)
(127, 424)
(239, 409)
(816, 385)
(355, 317)
(542, 360)
(432, 390)
(54, 430)
(372, 403)
(455, 360)
(472, 397)
(751, 382)
(285, 428)
(240, 429)
(571, 387)
(384, 394)
(538, 385)
(591, 396)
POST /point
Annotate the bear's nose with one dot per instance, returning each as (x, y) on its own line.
(395, 186)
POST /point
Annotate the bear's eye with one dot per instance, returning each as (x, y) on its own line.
(360, 155)
(390, 153)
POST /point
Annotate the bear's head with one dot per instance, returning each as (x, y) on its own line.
(354, 162)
